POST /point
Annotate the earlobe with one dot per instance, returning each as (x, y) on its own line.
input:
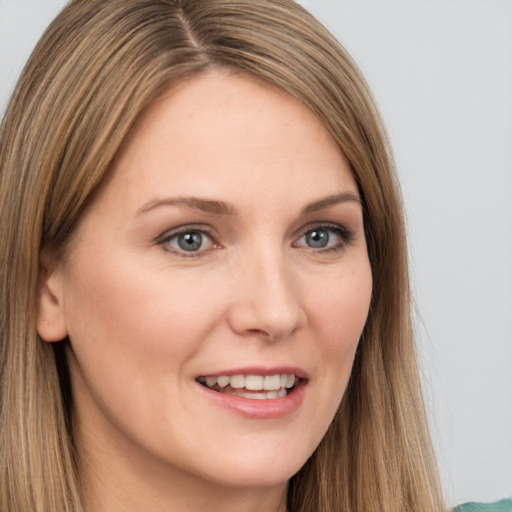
(51, 323)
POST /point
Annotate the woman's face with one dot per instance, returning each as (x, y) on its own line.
(215, 291)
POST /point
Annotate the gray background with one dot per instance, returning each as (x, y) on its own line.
(442, 73)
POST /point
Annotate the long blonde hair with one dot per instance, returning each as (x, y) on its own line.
(97, 67)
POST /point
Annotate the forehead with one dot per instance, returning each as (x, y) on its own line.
(223, 134)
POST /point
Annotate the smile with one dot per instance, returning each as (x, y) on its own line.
(255, 387)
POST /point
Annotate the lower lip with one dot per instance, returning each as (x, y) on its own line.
(266, 409)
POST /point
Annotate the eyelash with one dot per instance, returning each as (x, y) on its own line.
(185, 230)
(344, 234)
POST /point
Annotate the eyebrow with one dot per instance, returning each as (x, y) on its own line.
(215, 207)
(328, 201)
(194, 203)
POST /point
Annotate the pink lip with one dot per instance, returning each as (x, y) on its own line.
(302, 374)
(260, 409)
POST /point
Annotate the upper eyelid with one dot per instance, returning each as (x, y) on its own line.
(321, 224)
(185, 228)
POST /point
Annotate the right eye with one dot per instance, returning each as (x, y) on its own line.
(188, 241)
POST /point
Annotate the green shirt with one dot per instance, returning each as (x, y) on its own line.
(499, 506)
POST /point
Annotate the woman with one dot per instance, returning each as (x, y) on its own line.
(204, 281)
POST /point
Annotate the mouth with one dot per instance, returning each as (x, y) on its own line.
(253, 387)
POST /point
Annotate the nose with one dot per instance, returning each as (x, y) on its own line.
(267, 300)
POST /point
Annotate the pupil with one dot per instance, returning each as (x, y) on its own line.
(190, 241)
(317, 239)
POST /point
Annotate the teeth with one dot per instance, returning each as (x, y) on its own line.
(237, 381)
(252, 396)
(273, 382)
(254, 382)
(263, 395)
(211, 381)
(223, 381)
(274, 385)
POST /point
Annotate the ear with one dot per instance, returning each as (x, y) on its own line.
(51, 322)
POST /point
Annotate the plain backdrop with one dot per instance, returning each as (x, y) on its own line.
(441, 71)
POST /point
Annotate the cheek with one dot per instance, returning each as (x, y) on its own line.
(338, 314)
(341, 308)
(121, 319)
(133, 333)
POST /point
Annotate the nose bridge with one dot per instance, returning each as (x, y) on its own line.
(268, 296)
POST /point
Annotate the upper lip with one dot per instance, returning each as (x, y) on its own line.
(299, 372)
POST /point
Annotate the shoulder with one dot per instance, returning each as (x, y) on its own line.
(498, 506)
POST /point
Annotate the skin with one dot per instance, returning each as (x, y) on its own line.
(146, 318)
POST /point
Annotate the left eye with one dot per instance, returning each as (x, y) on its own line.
(190, 241)
(324, 237)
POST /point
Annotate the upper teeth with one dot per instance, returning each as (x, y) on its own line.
(251, 382)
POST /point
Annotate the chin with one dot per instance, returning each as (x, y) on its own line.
(254, 477)
(257, 468)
